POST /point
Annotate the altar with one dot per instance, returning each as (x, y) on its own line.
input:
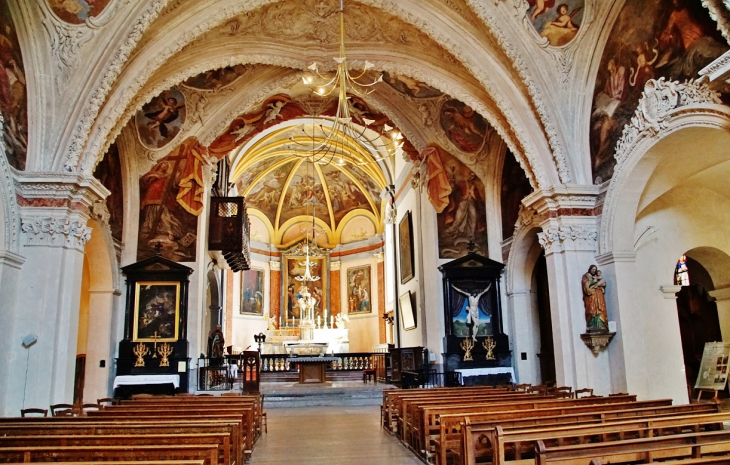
(278, 341)
(312, 369)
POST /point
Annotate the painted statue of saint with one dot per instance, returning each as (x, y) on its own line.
(594, 299)
(472, 316)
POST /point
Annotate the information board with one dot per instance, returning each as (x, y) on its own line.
(714, 367)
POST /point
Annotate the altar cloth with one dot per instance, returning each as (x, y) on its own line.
(140, 380)
(467, 372)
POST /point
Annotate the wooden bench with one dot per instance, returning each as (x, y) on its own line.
(643, 450)
(208, 453)
(231, 429)
(221, 440)
(431, 416)
(473, 434)
(126, 462)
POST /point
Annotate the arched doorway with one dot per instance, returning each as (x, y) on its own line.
(94, 347)
(541, 288)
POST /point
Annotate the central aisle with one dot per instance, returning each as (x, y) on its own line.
(329, 435)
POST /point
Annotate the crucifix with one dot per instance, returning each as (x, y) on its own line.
(155, 337)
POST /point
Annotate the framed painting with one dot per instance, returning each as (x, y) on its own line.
(252, 292)
(156, 311)
(358, 290)
(405, 248)
(407, 313)
(295, 268)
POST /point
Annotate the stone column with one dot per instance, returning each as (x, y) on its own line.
(228, 329)
(380, 258)
(54, 210)
(335, 289)
(525, 336)
(275, 291)
(722, 299)
(569, 237)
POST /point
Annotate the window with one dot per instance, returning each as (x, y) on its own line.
(681, 273)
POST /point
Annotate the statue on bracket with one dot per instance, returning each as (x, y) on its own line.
(472, 316)
(597, 335)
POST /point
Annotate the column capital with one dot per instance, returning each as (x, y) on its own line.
(335, 265)
(275, 265)
(670, 291)
(566, 234)
(721, 294)
(563, 200)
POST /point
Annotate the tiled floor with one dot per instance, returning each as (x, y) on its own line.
(329, 435)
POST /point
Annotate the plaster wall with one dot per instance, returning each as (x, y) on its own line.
(246, 326)
(413, 337)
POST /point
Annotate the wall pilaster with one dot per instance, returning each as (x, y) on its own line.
(275, 292)
(54, 210)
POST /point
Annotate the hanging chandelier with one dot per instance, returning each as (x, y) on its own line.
(330, 139)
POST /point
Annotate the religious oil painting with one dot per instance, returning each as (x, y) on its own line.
(651, 39)
(156, 311)
(405, 248)
(164, 223)
(13, 91)
(559, 21)
(216, 79)
(161, 120)
(358, 290)
(410, 87)
(252, 292)
(78, 11)
(109, 172)
(471, 315)
(464, 127)
(296, 267)
(462, 225)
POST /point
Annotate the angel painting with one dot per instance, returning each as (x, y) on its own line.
(558, 25)
(463, 126)
(161, 120)
(77, 11)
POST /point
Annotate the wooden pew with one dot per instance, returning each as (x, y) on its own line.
(206, 452)
(126, 462)
(643, 450)
(391, 398)
(430, 416)
(476, 437)
(231, 428)
(243, 415)
(221, 440)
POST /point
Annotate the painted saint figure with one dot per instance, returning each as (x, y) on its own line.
(594, 300)
(472, 316)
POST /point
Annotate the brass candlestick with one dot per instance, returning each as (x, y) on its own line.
(155, 337)
(140, 350)
(165, 350)
(489, 345)
(467, 344)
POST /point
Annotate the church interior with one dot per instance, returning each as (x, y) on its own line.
(429, 203)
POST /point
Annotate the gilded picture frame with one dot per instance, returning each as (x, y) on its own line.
(156, 311)
(405, 248)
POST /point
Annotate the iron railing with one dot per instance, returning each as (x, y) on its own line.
(429, 379)
(214, 375)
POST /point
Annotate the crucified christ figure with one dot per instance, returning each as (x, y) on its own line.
(473, 308)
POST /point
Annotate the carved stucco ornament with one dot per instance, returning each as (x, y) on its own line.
(659, 98)
(52, 232)
(568, 237)
(597, 341)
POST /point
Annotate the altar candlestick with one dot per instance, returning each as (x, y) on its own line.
(318, 323)
(332, 321)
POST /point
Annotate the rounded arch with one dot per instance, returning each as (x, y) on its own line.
(528, 140)
(523, 255)
(679, 132)
(715, 261)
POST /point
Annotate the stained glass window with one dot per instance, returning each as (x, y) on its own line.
(681, 274)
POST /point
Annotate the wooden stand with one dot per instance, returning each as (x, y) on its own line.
(700, 391)
(312, 370)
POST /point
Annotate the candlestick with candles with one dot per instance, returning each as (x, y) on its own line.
(318, 322)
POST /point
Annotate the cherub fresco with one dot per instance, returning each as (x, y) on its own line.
(77, 11)
(160, 121)
(558, 24)
(463, 126)
(651, 39)
(409, 86)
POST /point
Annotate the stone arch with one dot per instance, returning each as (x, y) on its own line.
(103, 287)
(8, 203)
(533, 146)
(665, 110)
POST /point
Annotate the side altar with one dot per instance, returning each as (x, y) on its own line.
(475, 344)
(153, 355)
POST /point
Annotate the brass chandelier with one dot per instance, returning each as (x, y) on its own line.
(329, 138)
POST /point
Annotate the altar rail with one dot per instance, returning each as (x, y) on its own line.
(345, 362)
